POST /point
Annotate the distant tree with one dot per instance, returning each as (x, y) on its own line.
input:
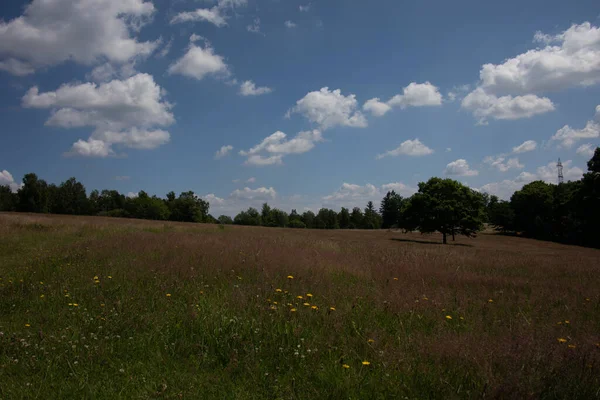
(265, 215)
(586, 204)
(294, 216)
(188, 208)
(501, 215)
(296, 223)
(278, 218)
(344, 218)
(225, 220)
(33, 195)
(371, 220)
(533, 207)
(69, 198)
(209, 219)
(249, 217)
(308, 218)
(326, 219)
(446, 206)
(147, 207)
(94, 201)
(391, 210)
(8, 199)
(356, 218)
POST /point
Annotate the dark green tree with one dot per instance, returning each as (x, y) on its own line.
(344, 218)
(533, 206)
(356, 218)
(249, 217)
(308, 218)
(225, 220)
(33, 195)
(8, 199)
(391, 210)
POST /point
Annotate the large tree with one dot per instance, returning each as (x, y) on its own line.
(445, 206)
(533, 206)
(391, 210)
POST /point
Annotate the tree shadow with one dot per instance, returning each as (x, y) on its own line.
(428, 242)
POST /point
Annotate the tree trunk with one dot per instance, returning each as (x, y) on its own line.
(444, 233)
(453, 238)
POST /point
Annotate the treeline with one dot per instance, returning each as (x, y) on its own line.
(568, 212)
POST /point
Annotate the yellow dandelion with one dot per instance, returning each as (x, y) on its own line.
(109, 277)
(571, 346)
(331, 308)
(168, 294)
(299, 297)
(75, 305)
(315, 307)
(306, 304)
(285, 292)
(275, 302)
(27, 325)
(567, 322)
(559, 323)
(562, 340)
(41, 283)
(290, 277)
(308, 295)
(345, 366)
(371, 341)
(293, 310)
(289, 304)
(273, 307)
(490, 301)
(278, 290)
(587, 299)
(70, 304)
(366, 363)
(448, 316)
(462, 318)
(102, 305)
(425, 298)
(42, 296)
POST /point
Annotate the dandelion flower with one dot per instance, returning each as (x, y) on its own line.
(293, 310)
(587, 299)
(96, 277)
(567, 322)
(306, 304)
(331, 308)
(278, 290)
(366, 363)
(299, 297)
(168, 294)
(345, 366)
(315, 307)
(102, 305)
(42, 296)
(559, 323)
(275, 302)
(371, 341)
(425, 298)
(309, 295)
(571, 346)
(109, 277)
(448, 316)
(290, 277)
(41, 283)
(395, 279)
(27, 325)
(75, 305)
(562, 340)
(490, 301)
(462, 318)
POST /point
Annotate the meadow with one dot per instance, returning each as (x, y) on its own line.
(103, 308)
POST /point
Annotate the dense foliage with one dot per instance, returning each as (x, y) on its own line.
(568, 212)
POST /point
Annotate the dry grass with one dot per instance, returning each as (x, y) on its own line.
(225, 332)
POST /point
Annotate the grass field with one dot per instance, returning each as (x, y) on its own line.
(94, 307)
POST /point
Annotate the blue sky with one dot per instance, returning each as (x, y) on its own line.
(323, 103)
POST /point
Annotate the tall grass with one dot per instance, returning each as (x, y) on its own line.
(102, 308)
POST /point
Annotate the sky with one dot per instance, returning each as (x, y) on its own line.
(302, 104)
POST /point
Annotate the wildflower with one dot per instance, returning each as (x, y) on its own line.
(559, 323)
(42, 296)
(567, 322)
(41, 283)
(571, 346)
(275, 302)
(293, 310)
(562, 340)
(273, 307)
(27, 325)
(425, 298)
(366, 363)
(102, 305)
(290, 277)
(308, 295)
(490, 301)
(299, 297)
(306, 304)
(448, 316)
(109, 277)
(395, 279)
(371, 341)
(96, 277)
(168, 294)
(278, 290)
(462, 318)
(315, 307)
(70, 304)
(331, 308)
(75, 305)
(587, 299)
(346, 366)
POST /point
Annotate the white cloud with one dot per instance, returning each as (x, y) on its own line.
(586, 150)
(528, 145)
(132, 195)
(248, 88)
(502, 164)
(199, 62)
(251, 180)
(213, 200)
(457, 92)
(276, 146)
(6, 179)
(460, 167)
(289, 24)
(261, 193)
(123, 112)
(329, 109)
(223, 151)
(414, 95)
(212, 15)
(549, 173)
(85, 31)
(352, 195)
(484, 106)
(568, 136)
(573, 61)
(254, 27)
(305, 8)
(165, 50)
(409, 148)
(448, 149)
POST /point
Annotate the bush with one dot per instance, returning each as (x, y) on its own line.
(296, 224)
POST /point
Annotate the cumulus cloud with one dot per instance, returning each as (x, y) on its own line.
(85, 31)
(223, 151)
(261, 193)
(304, 8)
(216, 15)
(573, 60)
(484, 105)
(123, 112)
(352, 195)
(528, 145)
(275, 146)
(213, 200)
(460, 167)
(251, 180)
(586, 150)
(329, 109)
(289, 24)
(408, 148)
(568, 136)
(414, 95)
(502, 164)
(254, 27)
(248, 88)
(199, 62)
(6, 179)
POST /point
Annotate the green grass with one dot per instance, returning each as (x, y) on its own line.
(190, 311)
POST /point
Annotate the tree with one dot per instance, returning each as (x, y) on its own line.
(147, 207)
(446, 206)
(278, 218)
(391, 210)
(249, 217)
(308, 218)
(294, 216)
(533, 207)
(187, 208)
(296, 223)
(8, 199)
(33, 195)
(69, 198)
(356, 218)
(371, 219)
(344, 218)
(265, 215)
(501, 215)
(225, 220)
